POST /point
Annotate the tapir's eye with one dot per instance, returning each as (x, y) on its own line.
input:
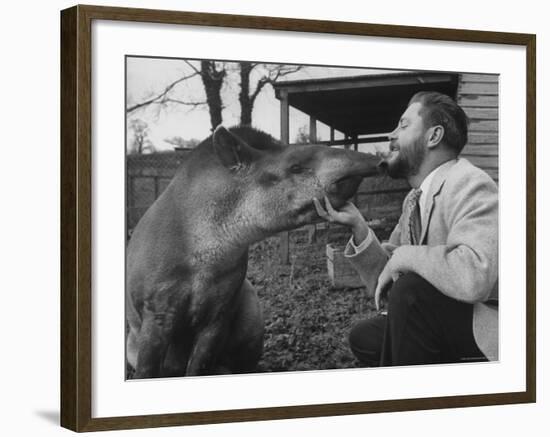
(296, 168)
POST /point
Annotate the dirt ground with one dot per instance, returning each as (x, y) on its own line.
(307, 321)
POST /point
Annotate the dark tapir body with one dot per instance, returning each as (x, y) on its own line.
(189, 307)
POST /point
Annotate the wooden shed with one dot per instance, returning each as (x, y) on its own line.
(365, 109)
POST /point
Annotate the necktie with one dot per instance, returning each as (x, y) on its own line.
(413, 218)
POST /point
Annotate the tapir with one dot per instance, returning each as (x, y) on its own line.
(189, 308)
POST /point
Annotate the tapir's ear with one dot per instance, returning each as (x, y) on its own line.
(233, 152)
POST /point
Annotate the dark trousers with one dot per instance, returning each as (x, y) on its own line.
(422, 326)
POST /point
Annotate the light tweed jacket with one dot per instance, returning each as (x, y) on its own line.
(459, 251)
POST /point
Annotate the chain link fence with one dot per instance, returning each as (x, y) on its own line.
(147, 176)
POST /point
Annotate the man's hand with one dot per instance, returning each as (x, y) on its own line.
(385, 281)
(348, 215)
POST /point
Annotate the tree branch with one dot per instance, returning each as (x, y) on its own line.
(181, 102)
(163, 94)
(261, 83)
(279, 72)
(195, 69)
(285, 71)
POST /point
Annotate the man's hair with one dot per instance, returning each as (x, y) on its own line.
(440, 109)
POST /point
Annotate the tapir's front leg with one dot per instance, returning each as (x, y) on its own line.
(152, 346)
(245, 345)
(213, 311)
(153, 340)
(206, 350)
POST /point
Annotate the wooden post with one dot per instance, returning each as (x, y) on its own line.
(130, 201)
(284, 238)
(312, 229)
(347, 146)
(327, 224)
(131, 197)
(157, 186)
(355, 147)
(312, 130)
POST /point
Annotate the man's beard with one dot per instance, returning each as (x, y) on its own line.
(407, 162)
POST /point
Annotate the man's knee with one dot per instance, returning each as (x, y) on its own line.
(365, 340)
(409, 289)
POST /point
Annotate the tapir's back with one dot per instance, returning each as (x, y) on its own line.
(160, 240)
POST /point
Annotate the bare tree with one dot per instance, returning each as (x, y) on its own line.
(253, 79)
(168, 95)
(269, 73)
(182, 142)
(212, 75)
(303, 136)
(141, 141)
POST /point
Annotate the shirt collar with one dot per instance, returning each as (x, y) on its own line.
(425, 187)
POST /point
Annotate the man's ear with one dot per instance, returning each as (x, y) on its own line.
(232, 152)
(435, 135)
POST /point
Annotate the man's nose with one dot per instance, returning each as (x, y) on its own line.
(393, 134)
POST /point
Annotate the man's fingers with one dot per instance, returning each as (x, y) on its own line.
(378, 294)
(318, 207)
(331, 211)
(349, 206)
(381, 295)
(382, 286)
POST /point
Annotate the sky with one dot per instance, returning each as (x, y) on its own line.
(147, 77)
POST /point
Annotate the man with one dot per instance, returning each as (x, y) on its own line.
(441, 261)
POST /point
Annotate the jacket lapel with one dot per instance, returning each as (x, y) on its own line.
(434, 190)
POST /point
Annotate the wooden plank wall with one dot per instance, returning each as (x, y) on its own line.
(478, 96)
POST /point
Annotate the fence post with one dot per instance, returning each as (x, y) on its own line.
(312, 229)
(356, 148)
(130, 201)
(157, 188)
(284, 237)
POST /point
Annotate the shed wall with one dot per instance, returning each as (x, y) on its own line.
(478, 96)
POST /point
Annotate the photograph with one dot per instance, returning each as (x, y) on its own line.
(299, 217)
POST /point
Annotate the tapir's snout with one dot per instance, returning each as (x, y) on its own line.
(341, 172)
